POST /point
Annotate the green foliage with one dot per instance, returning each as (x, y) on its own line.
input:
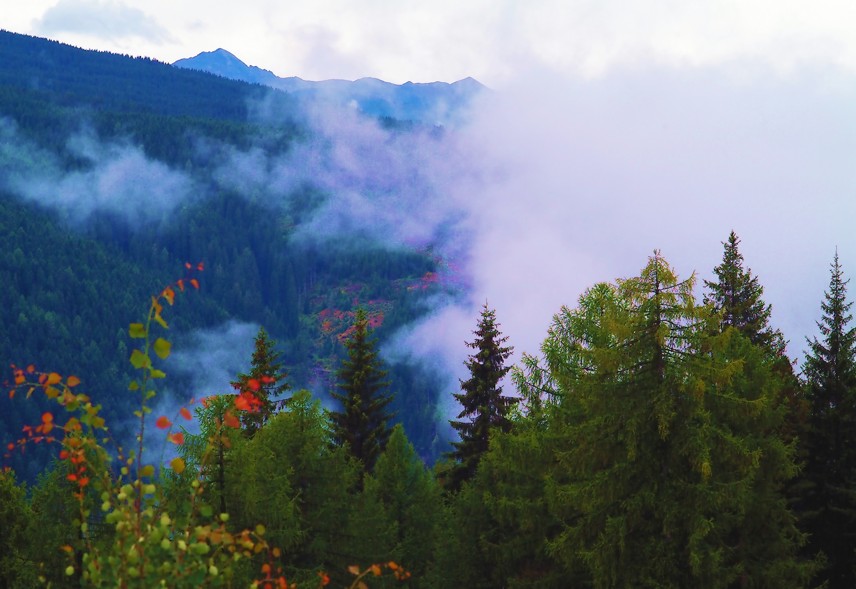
(827, 485)
(17, 571)
(481, 399)
(362, 425)
(407, 501)
(266, 380)
(736, 296)
(661, 434)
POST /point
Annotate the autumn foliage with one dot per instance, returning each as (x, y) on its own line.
(140, 524)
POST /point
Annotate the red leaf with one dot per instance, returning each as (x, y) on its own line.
(177, 438)
(163, 422)
(230, 420)
(185, 413)
(253, 384)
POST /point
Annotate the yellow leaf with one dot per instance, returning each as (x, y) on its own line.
(354, 569)
(177, 465)
(162, 348)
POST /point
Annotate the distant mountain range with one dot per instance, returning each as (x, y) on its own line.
(436, 103)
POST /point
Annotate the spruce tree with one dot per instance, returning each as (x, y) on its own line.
(481, 399)
(828, 503)
(736, 296)
(266, 380)
(363, 423)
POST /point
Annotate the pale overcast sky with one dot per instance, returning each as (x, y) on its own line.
(491, 40)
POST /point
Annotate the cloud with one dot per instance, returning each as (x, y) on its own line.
(104, 19)
(211, 358)
(563, 181)
(116, 178)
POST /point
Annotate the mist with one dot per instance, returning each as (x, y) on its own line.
(597, 173)
(114, 177)
(554, 183)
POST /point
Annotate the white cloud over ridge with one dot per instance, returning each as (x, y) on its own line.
(110, 20)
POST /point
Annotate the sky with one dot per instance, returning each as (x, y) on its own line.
(615, 128)
(494, 41)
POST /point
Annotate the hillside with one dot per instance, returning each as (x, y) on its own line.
(114, 171)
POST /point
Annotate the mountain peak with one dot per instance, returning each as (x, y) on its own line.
(225, 63)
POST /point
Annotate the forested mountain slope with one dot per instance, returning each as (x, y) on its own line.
(113, 174)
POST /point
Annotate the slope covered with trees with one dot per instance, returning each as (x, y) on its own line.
(71, 277)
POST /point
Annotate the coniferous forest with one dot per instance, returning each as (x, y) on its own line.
(660, 437)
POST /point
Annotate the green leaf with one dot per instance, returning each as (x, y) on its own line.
(137, 331)
(134, 386)
(155, 373)
(162, 348)
(206, 511)
(161, 321)
(140, 360)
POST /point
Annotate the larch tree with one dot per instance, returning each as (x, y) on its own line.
(483, 405)
(266, 380)
(363, 423)
(828, 483)
(737, 296)
(660, 438)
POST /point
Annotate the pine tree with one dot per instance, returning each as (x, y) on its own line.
(736, 296)
(363, 423)
(828, 503)
(266, 380)
(481, 399)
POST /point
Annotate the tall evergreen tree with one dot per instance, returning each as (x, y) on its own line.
(661, 439)
(736, 296)
(363, 423)
(481, 399)
(828, 502)
(266, 380)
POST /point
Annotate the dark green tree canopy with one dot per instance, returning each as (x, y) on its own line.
(481, 398)
(736, 296)
(363, 422)
(266, 380)
(827, 499)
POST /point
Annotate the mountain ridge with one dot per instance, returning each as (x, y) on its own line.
(440, 103)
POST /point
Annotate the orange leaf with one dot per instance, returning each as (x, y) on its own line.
(12, 394)
(185, 413)
(163, 422)
(47, 417)
(54, 378)
(230, 420)
(72, 381)
(194, 283)
(253, 384)
(31, 369)
(19, 377)
(177, 438)
(180, 284)
(169, 295)
(187, 265)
